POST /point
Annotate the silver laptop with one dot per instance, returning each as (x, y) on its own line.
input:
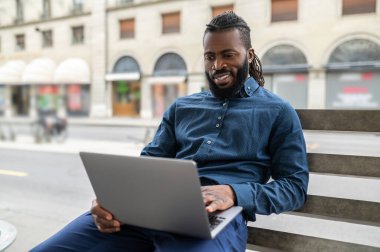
(156, 193)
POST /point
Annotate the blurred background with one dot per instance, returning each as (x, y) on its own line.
(109, 69)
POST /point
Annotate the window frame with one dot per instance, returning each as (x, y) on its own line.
(219, 9)
(350, 7)
(74, 40)
(277, 13)
(20, 46)
(127, 34)
(166, 18)
(45, 39)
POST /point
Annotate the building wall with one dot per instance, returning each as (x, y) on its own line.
(320, 27)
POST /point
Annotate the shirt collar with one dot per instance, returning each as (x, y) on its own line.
(250, 86)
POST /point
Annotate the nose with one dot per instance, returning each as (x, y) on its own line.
(218, 64)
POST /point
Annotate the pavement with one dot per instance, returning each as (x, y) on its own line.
(70, 145)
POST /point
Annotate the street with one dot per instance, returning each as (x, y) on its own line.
(49, 190)
(44, 189)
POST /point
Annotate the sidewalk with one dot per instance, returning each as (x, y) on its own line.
(26, 142)
(73, 146)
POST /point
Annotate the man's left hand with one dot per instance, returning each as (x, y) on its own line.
(218, 197)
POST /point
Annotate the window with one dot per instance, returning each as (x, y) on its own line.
(358, 6)
(19, 12)
(216, 10)
(284, 10)
(78, 35)
(77, 6)
(20, 42)
(47, 39)
(171, 22)
(46, 9)
(127, 28)
(123, 2)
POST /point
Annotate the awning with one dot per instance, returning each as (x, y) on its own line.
(39, 71)
(11, 72)
(123, 76)
(72, 71)
(166, 79)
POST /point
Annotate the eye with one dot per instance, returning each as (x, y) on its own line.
(209, 57)
(228, 55)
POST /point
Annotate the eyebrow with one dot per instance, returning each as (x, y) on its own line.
(224, 51)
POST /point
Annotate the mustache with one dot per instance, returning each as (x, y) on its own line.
(216, 72)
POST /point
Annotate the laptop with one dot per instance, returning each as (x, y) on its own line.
(156, 193)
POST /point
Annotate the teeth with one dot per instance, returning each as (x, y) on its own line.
(223, 77)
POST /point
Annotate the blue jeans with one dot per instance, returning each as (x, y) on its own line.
(82, 235)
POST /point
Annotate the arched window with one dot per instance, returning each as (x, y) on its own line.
(170, 64)
(126, 64)
(355, 53)
(284, 58)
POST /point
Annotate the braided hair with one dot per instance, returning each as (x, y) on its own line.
(229, 20)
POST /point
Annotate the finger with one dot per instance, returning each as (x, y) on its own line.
(100, 212)
(103, 223)
(215, 205)
(108, 230)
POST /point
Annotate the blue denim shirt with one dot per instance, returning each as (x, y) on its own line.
(242, 142)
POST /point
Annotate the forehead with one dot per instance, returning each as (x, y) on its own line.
(223, 40)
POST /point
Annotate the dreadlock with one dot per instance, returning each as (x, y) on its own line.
(228, 21)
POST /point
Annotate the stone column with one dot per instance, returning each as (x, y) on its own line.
(98, 31)
(317, 89)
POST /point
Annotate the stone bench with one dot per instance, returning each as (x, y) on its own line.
(342, 212)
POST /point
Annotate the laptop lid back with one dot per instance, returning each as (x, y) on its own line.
(156, 193)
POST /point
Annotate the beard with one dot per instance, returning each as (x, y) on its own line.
(233, 91)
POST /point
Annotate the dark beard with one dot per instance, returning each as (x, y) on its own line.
(233, 91)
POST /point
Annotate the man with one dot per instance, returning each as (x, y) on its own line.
(239, 134)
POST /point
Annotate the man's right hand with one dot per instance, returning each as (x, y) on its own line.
(103, 219)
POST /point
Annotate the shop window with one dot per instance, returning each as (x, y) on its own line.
(216, 10)
(284, 10)
(170, 64)
(47, 39)
(358, 6)
(171, 22)
(127, 28)
(77, 99)
(20, 42)
(77, 35)
(47, 98)
(355, 52)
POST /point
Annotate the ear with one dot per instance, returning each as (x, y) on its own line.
(251, 55)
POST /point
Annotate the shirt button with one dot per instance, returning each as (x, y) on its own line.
(249, 88)
(219, 117)
(224, 104)
(208, 142)
(217, 125)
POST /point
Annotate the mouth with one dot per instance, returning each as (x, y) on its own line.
(222, 79)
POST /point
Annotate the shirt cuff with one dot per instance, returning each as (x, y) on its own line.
(243, 194)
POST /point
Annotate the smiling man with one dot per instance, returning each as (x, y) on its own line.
(239, 134)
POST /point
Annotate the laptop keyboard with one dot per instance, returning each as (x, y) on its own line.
(214, 220)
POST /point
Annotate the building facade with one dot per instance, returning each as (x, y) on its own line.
(129, 58)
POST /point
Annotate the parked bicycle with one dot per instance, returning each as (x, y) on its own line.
(51, 127)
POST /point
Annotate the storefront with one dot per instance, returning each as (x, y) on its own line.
(43, 93)
(285, 70)
(168, 82)
(353, 76)
(14, 96)
(126, 87)
(73, 79)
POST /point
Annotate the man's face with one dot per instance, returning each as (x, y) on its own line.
(226, 62)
